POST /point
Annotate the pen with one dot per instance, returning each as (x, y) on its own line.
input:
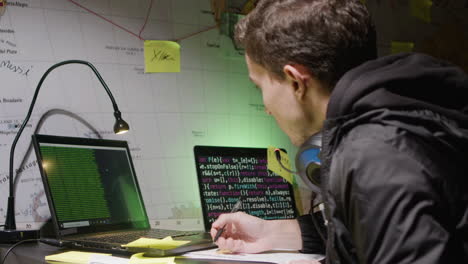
(234, 209)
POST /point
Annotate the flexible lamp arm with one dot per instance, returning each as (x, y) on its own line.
(10, 222)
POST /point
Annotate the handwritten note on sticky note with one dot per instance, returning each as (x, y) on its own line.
(398, 47)
(165, 243)
(73, 257)
(140, 259)
(162, 56)
(421, 9)
(275, 167)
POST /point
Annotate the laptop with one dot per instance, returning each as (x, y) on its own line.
(95, 200)
(228, 174)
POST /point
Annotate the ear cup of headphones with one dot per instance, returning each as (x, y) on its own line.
(308, 162)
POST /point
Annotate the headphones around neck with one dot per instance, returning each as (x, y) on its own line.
(308, 162)
(308, 168)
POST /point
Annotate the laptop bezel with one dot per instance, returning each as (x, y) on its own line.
(60, 232)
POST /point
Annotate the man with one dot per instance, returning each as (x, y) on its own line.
(395, 137)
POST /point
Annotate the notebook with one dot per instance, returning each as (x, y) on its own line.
(95, 200)
(227, 174)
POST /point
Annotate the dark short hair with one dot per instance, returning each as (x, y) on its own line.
(329, 37)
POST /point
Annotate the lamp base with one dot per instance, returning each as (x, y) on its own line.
(13, 236)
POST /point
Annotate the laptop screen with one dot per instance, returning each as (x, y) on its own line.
(227, 174)
(90, 184)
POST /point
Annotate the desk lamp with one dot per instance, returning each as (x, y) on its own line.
(10, 234)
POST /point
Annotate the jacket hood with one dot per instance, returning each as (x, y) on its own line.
(402, 82)
(411, 91)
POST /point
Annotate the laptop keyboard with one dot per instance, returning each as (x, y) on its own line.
(126, 237)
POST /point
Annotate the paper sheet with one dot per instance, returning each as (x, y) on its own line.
(101, 259)
(140, 259)
(277, 256)
(75, 257)
(165, 243)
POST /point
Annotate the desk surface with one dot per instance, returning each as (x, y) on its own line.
(35, 252)
(28, 253)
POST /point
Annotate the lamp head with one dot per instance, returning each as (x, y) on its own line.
(120, 126)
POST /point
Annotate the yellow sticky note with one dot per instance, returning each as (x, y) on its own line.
(248, 6)
(165, 243)
(73, 257)
(421, 9)
(274, 166)
(398, 47)
(138, 258)
(162, 56)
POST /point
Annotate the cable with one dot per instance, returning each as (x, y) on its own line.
(317, 227)
(104, 18)
(55, 242)
(278, 158)
(48, 241)
(146, 20)
(195, 33)
(15, 245)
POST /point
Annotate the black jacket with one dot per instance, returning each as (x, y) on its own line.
(395, 163)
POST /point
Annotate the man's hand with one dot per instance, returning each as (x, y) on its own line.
(250, 234)
(242, 233)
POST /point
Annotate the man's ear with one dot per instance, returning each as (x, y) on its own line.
(298, 76)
